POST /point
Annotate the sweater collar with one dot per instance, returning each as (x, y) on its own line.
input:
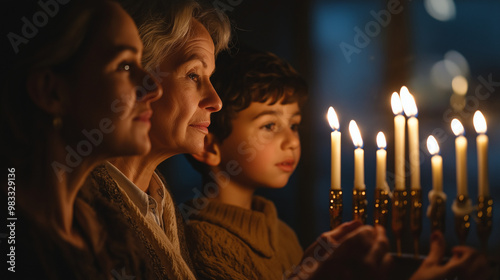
(256, 227)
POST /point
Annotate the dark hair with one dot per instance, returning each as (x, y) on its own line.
(252, 76)
(246, 77)
(57, 46)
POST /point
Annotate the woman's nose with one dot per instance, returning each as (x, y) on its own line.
(211, 101)
(148, 89)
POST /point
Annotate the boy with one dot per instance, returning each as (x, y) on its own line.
(253, 142)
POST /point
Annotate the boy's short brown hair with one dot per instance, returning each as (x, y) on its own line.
(246, 77)
(252, 76)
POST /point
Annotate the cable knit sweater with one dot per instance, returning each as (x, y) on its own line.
(165, 250)
(229, 242)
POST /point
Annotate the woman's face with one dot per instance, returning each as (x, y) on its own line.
(109, 94)
(182, 115)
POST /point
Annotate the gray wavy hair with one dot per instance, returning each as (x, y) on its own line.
(165, 25)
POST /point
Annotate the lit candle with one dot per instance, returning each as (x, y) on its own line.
(381, 162)
(359, 157)
(437, 164)
(335, 135)
(411, 112)
(399, 142)
(482, 154)
(461, 156)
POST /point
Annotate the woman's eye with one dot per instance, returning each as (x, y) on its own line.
(125, 66)
(194, 76)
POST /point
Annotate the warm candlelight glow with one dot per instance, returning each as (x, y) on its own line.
(397, 108)
(480, 123)
(432, 145)
(335, 154)
(459, 85)
(461, 156)
(436, 163)
(399, 142)
(381, 156)
(381, 142)
(457, 127)
(355, 134)
(332, 119)
(411, 112)
(359, 157)
(482, 153)
(409, 105)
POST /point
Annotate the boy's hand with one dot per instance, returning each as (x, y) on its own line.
(465, 262)
(351, 251)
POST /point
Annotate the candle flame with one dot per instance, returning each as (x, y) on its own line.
(355, 134)
(432, 145)
(480, 122)
(397, 108)
(381, 142)
(332, 118)
(457, 127)
(409, 105)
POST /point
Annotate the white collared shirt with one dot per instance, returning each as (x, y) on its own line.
(147, 204)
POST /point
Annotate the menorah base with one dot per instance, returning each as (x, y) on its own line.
(336, 205)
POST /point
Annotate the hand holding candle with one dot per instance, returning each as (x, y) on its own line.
(399, 142)
(411, 111)
(359, 170)
(335, 158)
(482, 153)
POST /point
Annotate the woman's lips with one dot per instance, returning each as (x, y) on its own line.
(287, 165)
(144, 117)
(201, 126)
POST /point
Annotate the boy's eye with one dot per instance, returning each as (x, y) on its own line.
(194, 76)
(269, 126)
(295, 126)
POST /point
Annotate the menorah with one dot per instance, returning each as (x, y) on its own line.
(402, 201)
(462, 209)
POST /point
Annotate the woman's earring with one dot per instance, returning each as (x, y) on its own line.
(57, 123)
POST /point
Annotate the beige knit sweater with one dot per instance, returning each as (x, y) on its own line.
(164, 252)
(229, 242)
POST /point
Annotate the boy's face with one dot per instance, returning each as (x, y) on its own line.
(265, 143)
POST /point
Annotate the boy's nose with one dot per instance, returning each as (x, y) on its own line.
(291, 140)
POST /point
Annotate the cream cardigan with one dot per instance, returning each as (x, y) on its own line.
(163, 248)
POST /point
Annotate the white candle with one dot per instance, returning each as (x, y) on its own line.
(461, 156)
(381, 183)
(399, 142)
(410, 109)
(335, 152)
(482, 154)
(359, 158)
(437, 164)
